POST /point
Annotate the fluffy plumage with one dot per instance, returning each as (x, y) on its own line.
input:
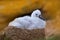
(29, 22)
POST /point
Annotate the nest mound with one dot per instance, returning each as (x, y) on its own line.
(23, 34)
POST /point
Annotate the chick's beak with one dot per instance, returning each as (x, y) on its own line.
(41, 17)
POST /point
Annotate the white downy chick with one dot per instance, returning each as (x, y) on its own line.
(27, 22)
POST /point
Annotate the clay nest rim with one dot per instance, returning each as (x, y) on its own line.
(23, 34)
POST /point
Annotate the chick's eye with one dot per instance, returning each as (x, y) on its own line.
(36, 14)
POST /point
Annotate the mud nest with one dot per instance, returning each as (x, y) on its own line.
(12, 33)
